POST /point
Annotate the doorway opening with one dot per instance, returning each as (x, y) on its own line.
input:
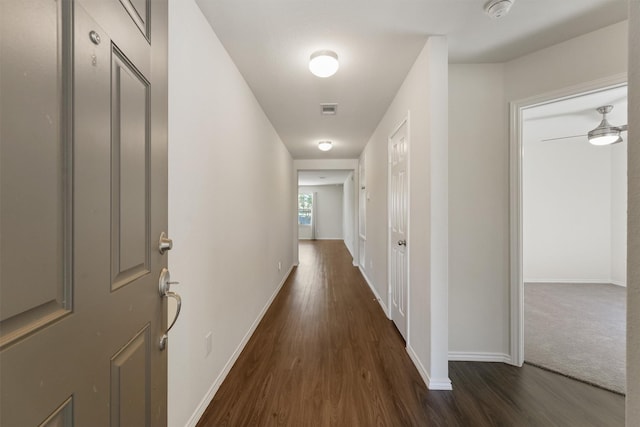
(569, 236)
(326, 206)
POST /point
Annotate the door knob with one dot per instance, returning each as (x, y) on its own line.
(164, 243)
(402, 243)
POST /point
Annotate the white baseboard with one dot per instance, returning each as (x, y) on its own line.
(355, 263)
(466, 356)
(206, 400)
(348, 248)
(432, 384)
(577, 281)
(375, 292)
(619, 283)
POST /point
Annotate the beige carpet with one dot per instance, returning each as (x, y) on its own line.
(578, 330)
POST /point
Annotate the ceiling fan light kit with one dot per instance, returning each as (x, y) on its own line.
(605, 133)
(497, 8)
(603, 139)
(324, 63)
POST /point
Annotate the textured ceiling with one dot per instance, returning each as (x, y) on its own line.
(377, 42)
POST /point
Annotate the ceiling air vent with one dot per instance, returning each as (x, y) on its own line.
(328, 109)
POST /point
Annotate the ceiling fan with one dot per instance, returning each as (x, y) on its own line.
(604, 134)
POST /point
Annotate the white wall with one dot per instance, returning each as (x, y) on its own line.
(574, 211)
(328, 208)
(423, 97)
(348, 213)
(230, 210)
(567, 64)
(633, 284)
(478, 213)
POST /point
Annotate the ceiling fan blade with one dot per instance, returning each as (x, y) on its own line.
(562, 137)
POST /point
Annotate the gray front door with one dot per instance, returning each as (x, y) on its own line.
(83, 186)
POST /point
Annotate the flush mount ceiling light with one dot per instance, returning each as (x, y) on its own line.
(497, 8)
(325, 145)
(605, 133)
(323, 63)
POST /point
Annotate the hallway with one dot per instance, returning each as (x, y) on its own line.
(325, 354)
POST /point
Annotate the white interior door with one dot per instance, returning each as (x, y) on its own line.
(398, 206)
(83, 201)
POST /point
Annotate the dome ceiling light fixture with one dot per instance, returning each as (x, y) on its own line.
(605, 133)
(497, 8)
(323, 63)
(325, 145)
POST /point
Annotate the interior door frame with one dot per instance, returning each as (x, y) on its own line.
(408, 247)
(516, 109)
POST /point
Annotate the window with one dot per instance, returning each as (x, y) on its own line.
(305, 203)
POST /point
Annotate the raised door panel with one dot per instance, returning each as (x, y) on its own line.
(139, 10)
(130, 220)
(402, 202)
(35, 287)
(401, 268)
(130, 383)
(62, 417)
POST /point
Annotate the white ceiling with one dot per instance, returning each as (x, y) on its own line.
(377, 41)
(322, 177)
(574, 116)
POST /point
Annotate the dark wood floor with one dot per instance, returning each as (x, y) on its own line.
(326, 355)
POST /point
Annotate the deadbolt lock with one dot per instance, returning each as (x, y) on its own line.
(164, 243)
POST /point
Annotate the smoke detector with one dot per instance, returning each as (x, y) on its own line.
(497, 8)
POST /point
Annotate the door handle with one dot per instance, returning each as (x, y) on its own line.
(402, 243)
(164, 283)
